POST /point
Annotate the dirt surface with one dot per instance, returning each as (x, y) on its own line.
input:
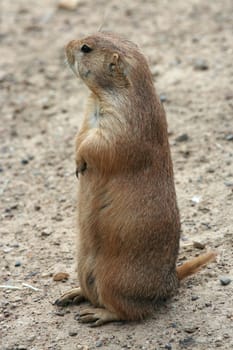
(189, 47)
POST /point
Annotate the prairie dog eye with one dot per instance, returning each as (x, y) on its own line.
(85, 48)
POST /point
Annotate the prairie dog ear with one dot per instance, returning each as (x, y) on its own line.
(118, 63)
(115, 58)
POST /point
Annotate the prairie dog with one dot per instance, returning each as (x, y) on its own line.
(128, 218)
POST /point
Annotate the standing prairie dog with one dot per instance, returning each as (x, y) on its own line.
(129, 226)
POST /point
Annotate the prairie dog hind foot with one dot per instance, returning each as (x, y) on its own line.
(96, 316)
(73, 296)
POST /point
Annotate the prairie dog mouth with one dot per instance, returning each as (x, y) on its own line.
(72, 63)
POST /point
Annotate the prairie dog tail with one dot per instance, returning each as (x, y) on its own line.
(194, 265)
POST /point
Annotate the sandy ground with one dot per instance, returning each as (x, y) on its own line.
(189, 47)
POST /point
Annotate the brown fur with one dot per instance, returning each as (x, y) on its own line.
(129, 226)
(194, 265)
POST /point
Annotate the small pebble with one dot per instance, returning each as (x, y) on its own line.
(163, 98)
(208, 304)
(59, 313)
(186, 342)
(210, 170)
(31, 339)
(46, 275)
(99, 343)
(173, 325)
(218, 342)
(190, 329)
(224, 280)
(73, 333)
(17, 263)
(229, 137)
(198, 245)
(200, 64)
(7, 250)
(46, 106)
(57, 217)
(194, 297)
(61, 276)
(46, 233)
(24, 161)
(67, 4)
(182, 138)
(168, 346)
(196, 199)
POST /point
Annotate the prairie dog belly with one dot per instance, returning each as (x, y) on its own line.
(114, 228)
(109, 209)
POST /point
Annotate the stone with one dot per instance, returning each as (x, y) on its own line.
(99, 343)
(163, 98)
(198, 245)
(182, 138)
(200, 64)
(67, 4)
(229, 137)
(61, 276)
(72, 333)
(225, 280)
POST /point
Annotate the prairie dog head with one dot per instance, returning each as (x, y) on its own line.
(105, 61)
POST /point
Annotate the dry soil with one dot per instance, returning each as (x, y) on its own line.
(189, 47)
